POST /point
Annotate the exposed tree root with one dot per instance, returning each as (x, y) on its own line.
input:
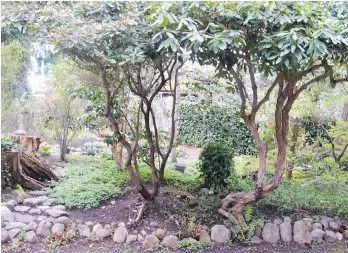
(136, 212)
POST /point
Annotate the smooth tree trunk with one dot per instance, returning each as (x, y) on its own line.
(294, 137)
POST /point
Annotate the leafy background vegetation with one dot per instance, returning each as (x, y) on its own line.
(199, 126)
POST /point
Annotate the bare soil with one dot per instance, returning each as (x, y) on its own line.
(165, 211)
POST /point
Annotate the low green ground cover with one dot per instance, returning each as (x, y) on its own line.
(89, 180)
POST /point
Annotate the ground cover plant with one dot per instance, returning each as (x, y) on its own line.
(86, 185)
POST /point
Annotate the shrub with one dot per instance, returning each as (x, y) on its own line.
(107, 156)
(199, 126)
(8, 143)
(216, 164)
(46, 150)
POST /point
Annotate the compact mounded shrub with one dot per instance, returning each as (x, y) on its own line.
(216, 164)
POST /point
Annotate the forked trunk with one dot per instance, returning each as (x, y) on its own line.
(236, 201)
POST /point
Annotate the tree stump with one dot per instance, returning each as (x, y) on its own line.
(25, 166)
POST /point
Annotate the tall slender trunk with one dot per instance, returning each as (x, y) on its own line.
(294, 137)
(64, 141)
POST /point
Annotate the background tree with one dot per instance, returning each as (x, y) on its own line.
(14, 59)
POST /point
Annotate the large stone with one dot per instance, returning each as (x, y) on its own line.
(317, 226)
(41, 218)
(92, 237)
(57, 228)
(14, 232)
(4, 236)
(317, 235)
(31, 226)
(339, 236)
(286, 231)
(204, 236)
(11, 225)
(325, 224)
(11, 203)
(48, 202)
(255, 240)
(333, 225)
(35, 211)
(330, 236)
(301, 233)
(270, 233)
(120, 235)
(150, 241)
(19, 198)
(6, 214)
(43, 208)
(121, 224)
(220, 234)
(34, 201)
(160, 233)
(43, 228)
(131, 238)
(97, 227)
(140, 238)
(287, 219)
(102, 233)
(171, 241)
(84, 230)
(24, 217)
(64, 220)
(55, 213)
(30, 236)
(21, 208)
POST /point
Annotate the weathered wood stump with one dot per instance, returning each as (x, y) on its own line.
(25, 166)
